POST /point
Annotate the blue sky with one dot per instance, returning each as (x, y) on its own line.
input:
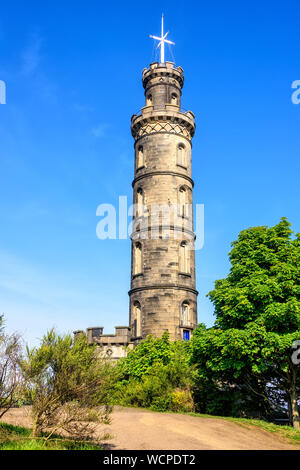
(73, 77)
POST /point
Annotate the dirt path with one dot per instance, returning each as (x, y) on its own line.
(136, 429)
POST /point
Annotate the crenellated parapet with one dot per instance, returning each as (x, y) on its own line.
(163, 84)
(167, 120)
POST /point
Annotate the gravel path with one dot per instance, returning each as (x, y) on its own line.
(138, 429)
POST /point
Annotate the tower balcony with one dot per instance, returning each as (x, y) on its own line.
(187, 324)
(168, 118)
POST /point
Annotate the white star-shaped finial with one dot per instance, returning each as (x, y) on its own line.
(162, 40)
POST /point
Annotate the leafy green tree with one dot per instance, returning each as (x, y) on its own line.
(67, 386)
(257, 308)
(156, 374)
(141, 359)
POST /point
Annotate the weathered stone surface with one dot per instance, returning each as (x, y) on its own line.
(161, 289)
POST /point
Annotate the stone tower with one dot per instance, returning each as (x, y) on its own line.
(163, 293)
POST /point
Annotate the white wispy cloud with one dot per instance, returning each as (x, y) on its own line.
(82, 108)
(31, 55)
(99, 130)
(26, 279)
(35, 298)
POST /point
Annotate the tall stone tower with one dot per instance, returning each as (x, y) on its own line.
(163, 293)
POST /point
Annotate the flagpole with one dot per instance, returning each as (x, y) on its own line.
(162, 47)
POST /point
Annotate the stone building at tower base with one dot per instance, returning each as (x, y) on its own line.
(113, 346)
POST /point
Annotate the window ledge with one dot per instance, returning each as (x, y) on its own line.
(181, 166)
(185, 274)
(137, 275)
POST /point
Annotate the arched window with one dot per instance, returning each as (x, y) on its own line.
(137, 258)
(185, 312)
(174, 99)
(149, 100)
(140, 157)
(140, 202)
(181, 155)
(183, 257)
(137, 320)
(182, 202)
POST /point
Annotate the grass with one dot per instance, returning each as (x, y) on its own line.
(19, 438)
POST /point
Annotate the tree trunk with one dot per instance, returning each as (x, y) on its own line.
(295, 410)
(294, 398)
(290, 410)
(35, 429)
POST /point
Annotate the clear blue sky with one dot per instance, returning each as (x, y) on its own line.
(73, 76)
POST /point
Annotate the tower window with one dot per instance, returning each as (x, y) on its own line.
(181, 156)
(140, 157)
(174, 99)
(185, 310)
(182, 202)
(137, 320)
(140, 202)
(149, 100)
(137, 258)
(183, 258)
(186, 335)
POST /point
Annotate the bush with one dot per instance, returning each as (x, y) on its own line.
(182, 400)
(156, 375)
(67, 385)
(11, 380)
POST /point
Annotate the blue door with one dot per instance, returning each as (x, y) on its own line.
(186, 335)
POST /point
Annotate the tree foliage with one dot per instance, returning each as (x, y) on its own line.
(11, 379)
(257, 308)
(66, 384)
(156, 374)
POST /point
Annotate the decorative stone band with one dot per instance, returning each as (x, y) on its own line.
(162, 287)
(161, 128)
(139, 234)
(154, 173)
(156, 122)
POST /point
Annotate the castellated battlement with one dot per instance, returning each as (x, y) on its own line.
(168, 118)
(163, 84)
(167, 71)
(112, 346)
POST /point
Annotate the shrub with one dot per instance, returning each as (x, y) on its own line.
(11, 379)
(156, 375)
(66, 384)
(182, 400)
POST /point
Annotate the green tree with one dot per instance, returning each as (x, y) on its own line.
(156, 374)
(67, 386)
(152, 351)
(257, 308)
